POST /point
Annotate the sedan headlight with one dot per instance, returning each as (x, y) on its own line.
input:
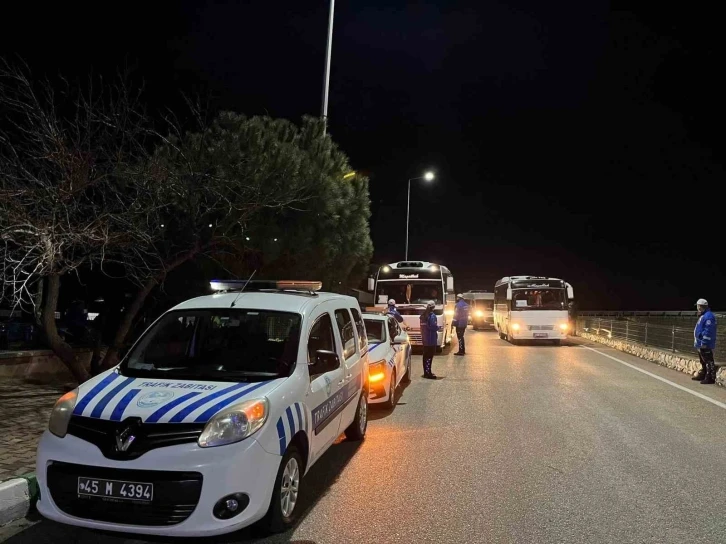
(235, 423)
(62, 412)
(377, 371)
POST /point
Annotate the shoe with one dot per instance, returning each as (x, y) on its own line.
(430, 376)
(459, 353)
(709, 379)
(699, 376)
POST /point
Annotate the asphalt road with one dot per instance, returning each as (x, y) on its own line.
(532, 444)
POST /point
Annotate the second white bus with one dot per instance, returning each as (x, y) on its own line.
(532, 308)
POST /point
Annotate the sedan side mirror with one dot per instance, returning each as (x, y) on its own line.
(325, 361)
(400, 339)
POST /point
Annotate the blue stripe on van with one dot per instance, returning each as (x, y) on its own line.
(98, 409)
(100, 386)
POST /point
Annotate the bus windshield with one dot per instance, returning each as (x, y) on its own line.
(538, 299)
(405, 292)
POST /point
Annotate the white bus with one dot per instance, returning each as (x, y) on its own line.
(412, 284)
(532, 308)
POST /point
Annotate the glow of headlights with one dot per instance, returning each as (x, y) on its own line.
(479, 313)
(62, 412)
(515, 326)
(377, 367)
(235, 424)
(449, 312)
(564, 326)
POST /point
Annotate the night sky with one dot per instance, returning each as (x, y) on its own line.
(580, 140)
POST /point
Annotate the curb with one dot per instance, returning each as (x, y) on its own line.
(17, 497)
(676, 361)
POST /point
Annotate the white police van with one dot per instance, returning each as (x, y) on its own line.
(213, 417)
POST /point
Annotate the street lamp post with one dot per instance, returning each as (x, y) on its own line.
(428, 176)
(328, 54)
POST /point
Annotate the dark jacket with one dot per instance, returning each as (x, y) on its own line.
(429, 329)
(394, 312)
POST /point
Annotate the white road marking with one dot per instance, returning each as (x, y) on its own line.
(677, 386)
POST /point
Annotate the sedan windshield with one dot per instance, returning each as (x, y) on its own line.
(217, 344)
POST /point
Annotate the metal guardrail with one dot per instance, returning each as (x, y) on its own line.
(666, 337)
(644, 314)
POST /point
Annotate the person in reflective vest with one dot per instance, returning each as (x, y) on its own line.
(393, 311)
(461, 321)
(429, 338)
(704, 336)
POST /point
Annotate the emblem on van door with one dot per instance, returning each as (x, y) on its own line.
(327, 385)
(154, 398)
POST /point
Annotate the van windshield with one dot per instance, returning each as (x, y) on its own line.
(218, 344)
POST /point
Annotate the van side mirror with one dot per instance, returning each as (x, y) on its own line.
(325, 361)
(570, 292)
(371, 284)
(449, 284)
(509, 293)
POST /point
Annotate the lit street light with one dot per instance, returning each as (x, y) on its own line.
(428, 176)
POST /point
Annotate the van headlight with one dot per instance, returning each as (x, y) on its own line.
(235, 423)
(62, 412)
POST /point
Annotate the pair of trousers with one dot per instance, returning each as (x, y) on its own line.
(428, 358)
(460, 336)
(707, 362)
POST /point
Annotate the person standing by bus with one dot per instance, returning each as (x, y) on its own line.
(461, 320)
(393, 311)
(429, 338)
(705, 341)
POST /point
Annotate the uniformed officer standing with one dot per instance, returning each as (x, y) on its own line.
(393, 311)
(429, 338)
(705, 341)
(461, 320)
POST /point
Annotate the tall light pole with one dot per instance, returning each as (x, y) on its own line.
(326, 77)
(428, 176)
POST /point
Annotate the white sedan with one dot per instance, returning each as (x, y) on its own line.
(389, 353)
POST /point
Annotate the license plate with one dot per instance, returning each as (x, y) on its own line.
(115, 489)
(541, 335)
